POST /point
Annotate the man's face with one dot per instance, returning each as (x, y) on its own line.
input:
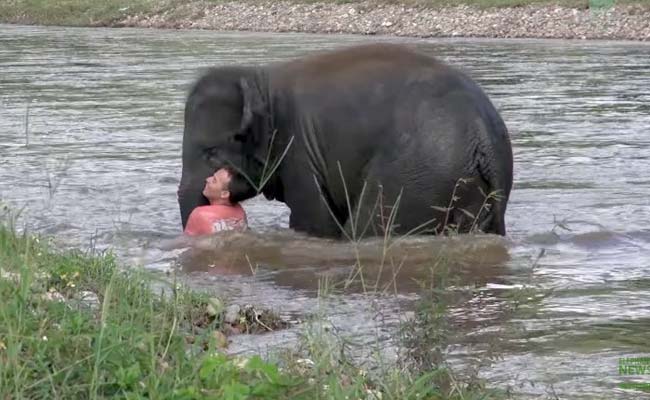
(216, 185)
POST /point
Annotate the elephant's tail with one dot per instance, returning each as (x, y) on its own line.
(495, 166)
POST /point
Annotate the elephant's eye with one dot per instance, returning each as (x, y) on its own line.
(210, 152)
(240, 137)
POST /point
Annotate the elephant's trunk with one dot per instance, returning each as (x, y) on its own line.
(190, 196)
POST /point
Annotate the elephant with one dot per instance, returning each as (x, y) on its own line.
(365, 140)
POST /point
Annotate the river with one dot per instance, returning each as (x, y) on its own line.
(90, 141)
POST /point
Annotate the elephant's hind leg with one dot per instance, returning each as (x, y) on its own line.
(385, 208)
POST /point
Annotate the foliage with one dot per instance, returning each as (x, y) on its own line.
(74, 12)
(131, 342)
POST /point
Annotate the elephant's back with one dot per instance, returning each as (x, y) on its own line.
(354, 65)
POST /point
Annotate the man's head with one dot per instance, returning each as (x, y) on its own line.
(217, 186)
(226, 187)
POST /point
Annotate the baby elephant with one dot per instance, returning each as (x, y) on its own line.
(366, 140)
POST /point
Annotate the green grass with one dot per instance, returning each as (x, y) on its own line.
(109, 12)
(135, 342)
(75, 12)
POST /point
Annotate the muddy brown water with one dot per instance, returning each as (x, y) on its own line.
(103, 163)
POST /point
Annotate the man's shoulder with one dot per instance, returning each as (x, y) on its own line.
(238, 208)
(202, 209)
(215, 218)
(221, 210)
(199, 212)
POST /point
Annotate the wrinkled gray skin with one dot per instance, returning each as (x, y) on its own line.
(369, 129)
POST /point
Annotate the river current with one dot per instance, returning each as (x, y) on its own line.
(90, 141)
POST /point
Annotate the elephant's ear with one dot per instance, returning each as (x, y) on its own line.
(252, 99)
(256, 121)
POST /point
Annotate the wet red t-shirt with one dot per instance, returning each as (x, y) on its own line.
(205, 220)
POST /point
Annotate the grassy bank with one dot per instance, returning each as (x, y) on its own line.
(72, 325)
(110, 12)
(75, 325)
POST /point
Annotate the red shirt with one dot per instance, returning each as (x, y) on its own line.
(205, 220)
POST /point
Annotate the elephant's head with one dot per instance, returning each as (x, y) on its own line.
(226, 123)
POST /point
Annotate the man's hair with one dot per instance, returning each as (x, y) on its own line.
(240, 189)
(230, 170)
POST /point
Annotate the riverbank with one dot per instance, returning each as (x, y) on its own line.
(622, 20)
(76, 325)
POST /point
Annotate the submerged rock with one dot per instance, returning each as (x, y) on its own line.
(233, 319)
(249, 319)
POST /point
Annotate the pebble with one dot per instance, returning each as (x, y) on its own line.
(214, 307)
(233, 313)
(535, 21)
(88, 299)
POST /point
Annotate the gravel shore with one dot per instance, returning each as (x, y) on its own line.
(620, 22)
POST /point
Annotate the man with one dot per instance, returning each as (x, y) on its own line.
(221, 214)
